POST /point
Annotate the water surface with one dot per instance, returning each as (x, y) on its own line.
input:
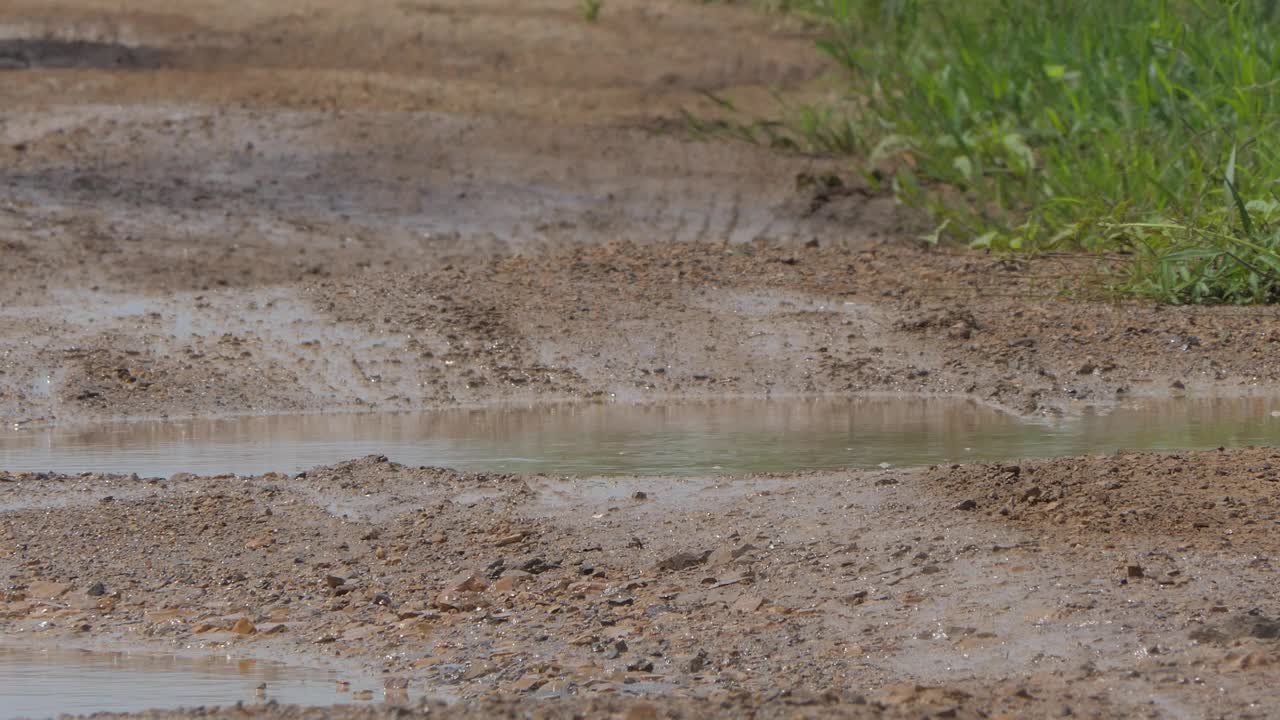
(43, 683)
(688, 438)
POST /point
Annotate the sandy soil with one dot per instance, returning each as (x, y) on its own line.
(218, 208)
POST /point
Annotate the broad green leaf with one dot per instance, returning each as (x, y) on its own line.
(1055, 72)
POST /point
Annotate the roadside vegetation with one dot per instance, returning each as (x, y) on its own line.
(590, 9)
(1145, 129)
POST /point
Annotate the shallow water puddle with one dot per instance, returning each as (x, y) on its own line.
(43, 683)
(689, 438)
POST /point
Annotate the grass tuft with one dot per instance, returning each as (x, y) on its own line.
(590, 9)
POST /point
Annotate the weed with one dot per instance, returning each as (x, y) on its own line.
(591, 9)
(1146, 127)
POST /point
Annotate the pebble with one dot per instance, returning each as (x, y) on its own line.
(682, 561)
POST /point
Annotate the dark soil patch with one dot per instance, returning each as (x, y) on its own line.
(34, 54)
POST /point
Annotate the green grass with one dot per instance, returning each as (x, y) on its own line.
(1145, 127)
(590, 9)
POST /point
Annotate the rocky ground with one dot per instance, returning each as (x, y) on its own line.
(222, 208)
(1130, 585)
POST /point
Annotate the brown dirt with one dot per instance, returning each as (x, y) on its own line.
(1218, 499)
(837, 587)
(234, 228)
(243, 207)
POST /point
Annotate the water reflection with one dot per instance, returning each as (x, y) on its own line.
(604, 439)
(43, 683)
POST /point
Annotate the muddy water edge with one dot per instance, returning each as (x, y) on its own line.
(232, 208)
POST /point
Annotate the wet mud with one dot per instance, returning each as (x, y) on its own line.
(224, 209)
(29, 54)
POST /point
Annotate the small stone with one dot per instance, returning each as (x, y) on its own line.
(966, 505)
(511, 539)
(509, 581)
(244, 626)
(748, 603)
(463, 593)
(479, 670)
(726, 554)
(463, 601)
(641, 665)
(682, 561)
(1134, 571)
(468, 582)
(527, 684)
(538, 565)
(96, 590)
(856, 598)
(333, 581)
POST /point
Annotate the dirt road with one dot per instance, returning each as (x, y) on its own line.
(250, 207)
(217, 208)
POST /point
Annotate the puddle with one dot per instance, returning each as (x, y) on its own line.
(690, 438)
(31, 54)
(38, 683)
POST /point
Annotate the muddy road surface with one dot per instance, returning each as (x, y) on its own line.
(249, 208)
(227, 208)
